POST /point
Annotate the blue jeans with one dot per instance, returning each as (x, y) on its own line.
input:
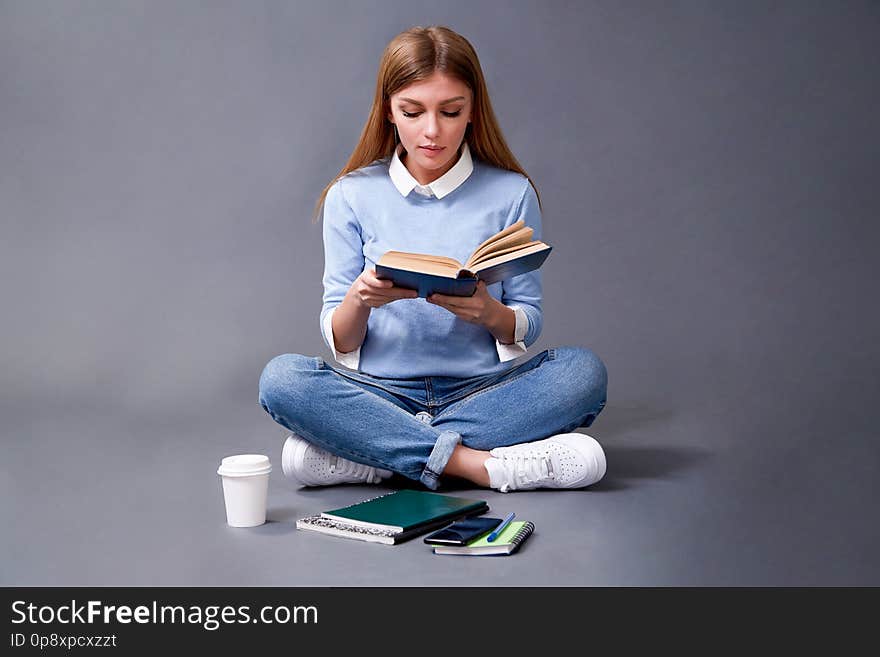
(411, 426)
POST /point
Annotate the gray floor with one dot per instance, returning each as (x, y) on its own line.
(715, 492)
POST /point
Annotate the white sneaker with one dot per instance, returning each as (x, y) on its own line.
(313, 466)
(567, 460)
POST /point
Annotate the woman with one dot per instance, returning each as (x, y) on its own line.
(429, 391)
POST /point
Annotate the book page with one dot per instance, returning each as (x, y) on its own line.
(436, 265)
(419, 262)
(494, 254)
(499, 235)
(518, 237)
(513, 255)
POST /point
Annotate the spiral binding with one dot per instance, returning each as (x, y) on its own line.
(523, 533)
(318, 521)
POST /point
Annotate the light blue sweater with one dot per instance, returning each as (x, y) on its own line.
(366, 213)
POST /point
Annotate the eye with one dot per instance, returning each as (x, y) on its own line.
(412, 115)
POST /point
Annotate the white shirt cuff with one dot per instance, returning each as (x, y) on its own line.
(351, 359)
(518, 348)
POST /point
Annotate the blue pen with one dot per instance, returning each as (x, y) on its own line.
(500, 528)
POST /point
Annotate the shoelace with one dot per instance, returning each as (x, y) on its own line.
(351, 468)
(526, 469)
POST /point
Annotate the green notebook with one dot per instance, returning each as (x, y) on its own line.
(507, 542)
(403, 510)
(393, 518)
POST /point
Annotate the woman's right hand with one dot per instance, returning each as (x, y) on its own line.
(371, 292)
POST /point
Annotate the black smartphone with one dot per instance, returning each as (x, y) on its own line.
(462, 532)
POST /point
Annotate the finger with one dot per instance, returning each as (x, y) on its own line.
(371, 279)
(449, 301)
(385, 295)
(397, 293)
(379, 286)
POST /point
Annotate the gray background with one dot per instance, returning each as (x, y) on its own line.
(709, 179)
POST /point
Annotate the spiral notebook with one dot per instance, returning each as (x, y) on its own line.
(508, 542)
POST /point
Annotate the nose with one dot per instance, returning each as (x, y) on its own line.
(432, 128)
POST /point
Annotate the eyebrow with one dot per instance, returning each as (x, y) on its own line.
(445, 102)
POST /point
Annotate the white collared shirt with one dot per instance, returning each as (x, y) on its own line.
(447, 183)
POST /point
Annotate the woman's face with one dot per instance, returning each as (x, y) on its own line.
(431, 118)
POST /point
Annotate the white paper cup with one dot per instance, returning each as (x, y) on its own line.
(245, 488)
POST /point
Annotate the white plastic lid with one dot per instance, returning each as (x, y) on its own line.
(244, 465)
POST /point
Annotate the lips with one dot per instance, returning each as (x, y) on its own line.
(432, 148)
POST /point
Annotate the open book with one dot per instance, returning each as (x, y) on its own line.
(508, 253)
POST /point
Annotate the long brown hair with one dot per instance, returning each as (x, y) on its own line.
(415, 55)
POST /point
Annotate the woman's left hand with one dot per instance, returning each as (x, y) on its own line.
(477, 309)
